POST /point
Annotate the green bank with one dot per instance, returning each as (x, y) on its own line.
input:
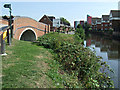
(56, 60)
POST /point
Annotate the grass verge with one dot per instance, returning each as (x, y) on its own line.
(31, 66)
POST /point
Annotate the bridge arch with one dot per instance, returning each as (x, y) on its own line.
(28, 34)
(28, 26)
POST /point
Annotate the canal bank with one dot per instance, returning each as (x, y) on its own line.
(108, 49)
(76, 60)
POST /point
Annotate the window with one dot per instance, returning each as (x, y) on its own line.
(105, 28)
(105, 20)
(106, 25)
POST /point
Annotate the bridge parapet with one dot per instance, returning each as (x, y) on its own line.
(21, 23)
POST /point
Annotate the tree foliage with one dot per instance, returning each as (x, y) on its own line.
(80, 33)
(64, 21)
(86, 26)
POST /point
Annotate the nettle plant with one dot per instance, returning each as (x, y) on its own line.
(84, 64)
(78, 61)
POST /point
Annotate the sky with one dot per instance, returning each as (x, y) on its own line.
(71, 10)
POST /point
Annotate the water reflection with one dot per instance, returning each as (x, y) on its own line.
(111, 47)
(109, 50)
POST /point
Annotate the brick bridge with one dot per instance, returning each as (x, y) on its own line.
(27, 29)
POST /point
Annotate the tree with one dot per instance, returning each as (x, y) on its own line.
(79, 26)
(86, 26)
(64, 21)
(80, 34)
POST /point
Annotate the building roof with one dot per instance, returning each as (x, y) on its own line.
(105, 17)
(45, 16)
(81, 20)
(98, 19)
(50, 18)
(115, 13)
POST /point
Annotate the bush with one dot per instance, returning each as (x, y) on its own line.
(79, 35)
(80, 32)
(76, 60)
(82, 63)
(90, 29)
(55, 40)
(70, 30)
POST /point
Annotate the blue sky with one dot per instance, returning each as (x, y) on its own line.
(72, 11)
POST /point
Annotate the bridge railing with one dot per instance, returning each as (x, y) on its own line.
(5, 35)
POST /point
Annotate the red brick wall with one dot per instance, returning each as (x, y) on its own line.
(89, 20)
(47, 21)
(25, 21)
(93, 27)
(98, 26)
(105, 27)
(3, 22)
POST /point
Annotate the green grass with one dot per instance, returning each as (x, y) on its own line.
(31, 66)
(26, 66)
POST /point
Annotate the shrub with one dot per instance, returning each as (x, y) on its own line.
(79, 35)
(82, 63)
(70, 30)
(90, 29)
(76, 60)
(80, 32)
(55, 40)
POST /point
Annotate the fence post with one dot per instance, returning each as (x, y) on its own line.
(8, 37)
(2, 45)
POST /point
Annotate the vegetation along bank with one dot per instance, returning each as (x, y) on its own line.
(57, 61)
(82, 64)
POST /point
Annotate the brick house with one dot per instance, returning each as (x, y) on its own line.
(105, 22)
(48, 20)
(89, 20)
(76, 24)
(98, 24)
(115, 21)
(94, 23)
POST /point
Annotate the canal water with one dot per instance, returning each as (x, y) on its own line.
(109, 50)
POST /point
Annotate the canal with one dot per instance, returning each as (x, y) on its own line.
(109, 50)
